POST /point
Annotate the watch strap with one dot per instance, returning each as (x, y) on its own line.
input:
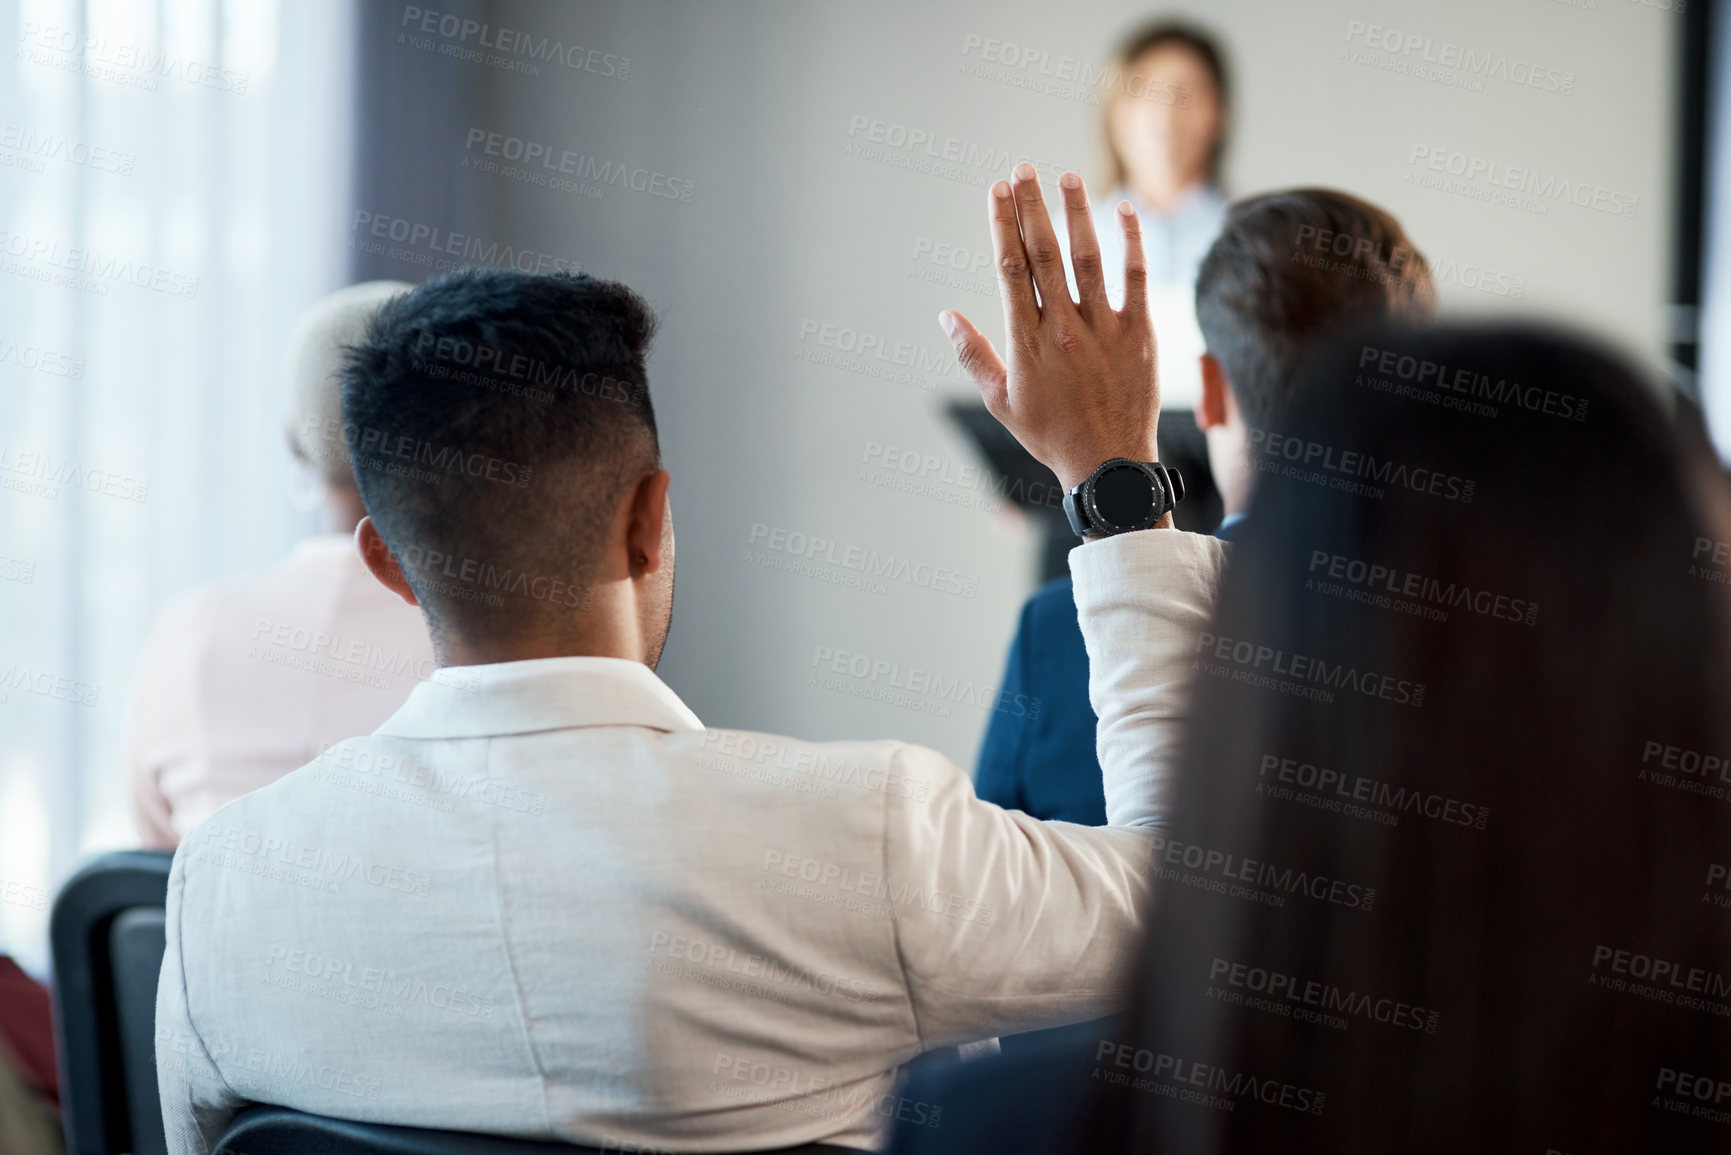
(1073, 510)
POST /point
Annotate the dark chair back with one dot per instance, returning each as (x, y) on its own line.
(106, 931)
(280, 1131)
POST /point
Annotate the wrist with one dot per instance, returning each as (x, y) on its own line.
(1165, 522)
(1077, 469)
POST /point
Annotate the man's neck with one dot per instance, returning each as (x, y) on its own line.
(453, 652)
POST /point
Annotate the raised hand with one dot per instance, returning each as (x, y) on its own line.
(1081, 384)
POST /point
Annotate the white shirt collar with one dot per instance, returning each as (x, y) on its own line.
(542, 694)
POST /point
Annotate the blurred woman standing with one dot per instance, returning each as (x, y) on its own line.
(1165, 120)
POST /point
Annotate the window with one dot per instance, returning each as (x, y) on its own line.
(174, 178)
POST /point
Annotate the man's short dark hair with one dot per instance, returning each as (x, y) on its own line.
(1290, 269)
(494, 418)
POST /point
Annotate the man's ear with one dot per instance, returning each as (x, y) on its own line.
(1215, 408)
(380, 562)
(646, 521)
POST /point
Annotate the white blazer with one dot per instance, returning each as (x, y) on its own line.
(542, 900)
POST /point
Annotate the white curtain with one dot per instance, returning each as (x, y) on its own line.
(174, 182)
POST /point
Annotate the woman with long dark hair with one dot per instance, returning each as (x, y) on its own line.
(1447, 865)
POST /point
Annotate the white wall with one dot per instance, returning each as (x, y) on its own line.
(752, 103)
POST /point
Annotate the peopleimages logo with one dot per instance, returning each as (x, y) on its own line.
(369, 448)
(806, 1095)
(253, 1069)
(1469, 382)
(23, 894)
(40, 360)
(1336, 786)
(901, 893)
(429, 244)
(542, 163)
(1517, 186)
(40, 475)
(359, 765)
(727, 750)
(1718, 878)
(903, 354)
(472, 363)
(1177, 1072)
(927, 469)
(19, 676)
(1064, 76)
(931, 153)
(1385, 587)
(484, 582)
(1324, 1000)
(1478, 65)
(879, 679)
(40, 146)
(1228, 868)
(789, 975)
(1691, 771)
(1718, 560)
(344, 974)
(1671, 981)
(867, 565)
(1271, 668)
(461, 31)
(247, 849)
(352, 659)
(88, 270)
(106, 58)
(1360, 249)
(1699, 1096)
(1349, 471)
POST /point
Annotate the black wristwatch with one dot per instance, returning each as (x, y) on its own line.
(1123, 495)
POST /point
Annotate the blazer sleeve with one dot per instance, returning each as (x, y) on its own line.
(1143, 600)
(197, 1103)
(1005, 923)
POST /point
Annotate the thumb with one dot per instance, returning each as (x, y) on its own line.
(978, 360)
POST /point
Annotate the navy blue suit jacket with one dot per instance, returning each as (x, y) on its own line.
(1042, 762)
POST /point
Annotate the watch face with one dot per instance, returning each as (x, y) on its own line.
(1124, 497)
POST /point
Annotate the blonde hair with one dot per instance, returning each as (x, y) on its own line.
(315, 413)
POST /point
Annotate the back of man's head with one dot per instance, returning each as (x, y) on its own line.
(1291, 268)
(495, 419)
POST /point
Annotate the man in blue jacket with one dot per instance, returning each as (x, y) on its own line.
(1288, 270)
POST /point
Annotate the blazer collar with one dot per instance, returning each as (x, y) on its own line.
(543, 694)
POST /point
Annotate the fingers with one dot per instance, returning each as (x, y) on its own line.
(1021, 315)
(1084, 246)
(1041, 243)
(979, 360)
(1135, 264)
